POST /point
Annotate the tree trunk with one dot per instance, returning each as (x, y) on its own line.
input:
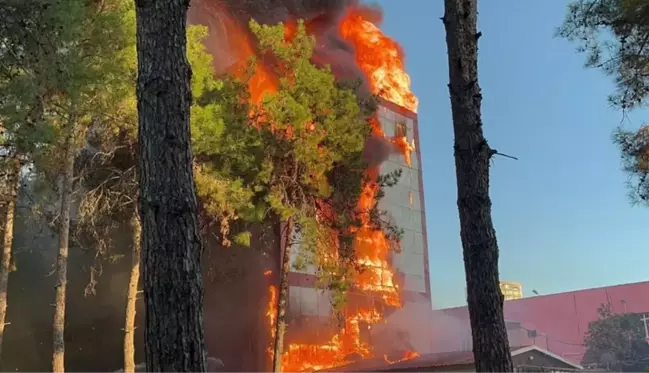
(5, 266)
(171, 242)
(131, 297)
(472, 156)
(58, 341)
(282, 297)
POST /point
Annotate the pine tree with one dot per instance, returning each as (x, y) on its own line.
(313, 129)
(70, 62)
(171, 242)
(23, 130)
(108, 166)
(614, 35)
(472, 156)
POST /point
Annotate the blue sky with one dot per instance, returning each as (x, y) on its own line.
(561, 212)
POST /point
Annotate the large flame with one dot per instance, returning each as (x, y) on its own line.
(380, 58)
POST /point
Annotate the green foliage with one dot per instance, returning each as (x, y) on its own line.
(635, 160)
(227, 149)
(616, 341)
(62, 65)
(615, 36)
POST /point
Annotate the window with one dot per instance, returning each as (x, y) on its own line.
(401, 130)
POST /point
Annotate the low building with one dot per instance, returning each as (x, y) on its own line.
(554, 322)
(525, 359)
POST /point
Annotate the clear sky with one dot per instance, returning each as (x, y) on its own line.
(562, 213)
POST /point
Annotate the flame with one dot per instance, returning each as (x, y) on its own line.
(408, 355)
(372, 247)
(262, 80)
(380, 58)
(272, 309)
(404, 147)
(309, 357)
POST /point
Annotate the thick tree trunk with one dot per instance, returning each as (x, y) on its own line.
(58, 340)
(472, 156)
(171, 242)
(282, 298)
(8, 239)
(131, 296)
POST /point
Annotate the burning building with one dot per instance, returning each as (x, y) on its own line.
(390, 279)
(349, 40)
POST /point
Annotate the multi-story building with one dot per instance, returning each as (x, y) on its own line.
(404, 203)
(511, 290)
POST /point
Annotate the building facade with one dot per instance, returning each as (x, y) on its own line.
(511, 290)
(404, 204)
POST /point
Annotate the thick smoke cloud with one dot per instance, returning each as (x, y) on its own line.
(321, 16)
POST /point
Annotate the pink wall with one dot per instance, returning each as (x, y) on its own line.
(561, 320)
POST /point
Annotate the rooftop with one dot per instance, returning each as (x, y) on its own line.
(438, 360)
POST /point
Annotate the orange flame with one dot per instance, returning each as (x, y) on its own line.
(272, 309)
(311, 357)
(243, 49)
(372, 248)
(381, 58)
(404, 147)
(409, 355)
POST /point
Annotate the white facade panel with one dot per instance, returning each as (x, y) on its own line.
(403, 204)
(308, 301)
(415, 283)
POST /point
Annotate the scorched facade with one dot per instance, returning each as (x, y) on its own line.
(404, 203)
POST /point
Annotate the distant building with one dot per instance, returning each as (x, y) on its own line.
(511, 290)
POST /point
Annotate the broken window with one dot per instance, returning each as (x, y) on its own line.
(401, 130)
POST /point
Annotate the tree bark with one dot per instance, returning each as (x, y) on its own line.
(472, 156)
(131, 297)
(282, 297)
(171, 242)
(7, 244)
(58, 340)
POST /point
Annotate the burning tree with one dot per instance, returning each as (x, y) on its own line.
(313, 131)
(289, 148)
(370, 238)
(317, 129)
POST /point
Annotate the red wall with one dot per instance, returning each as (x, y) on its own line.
(561, 320)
